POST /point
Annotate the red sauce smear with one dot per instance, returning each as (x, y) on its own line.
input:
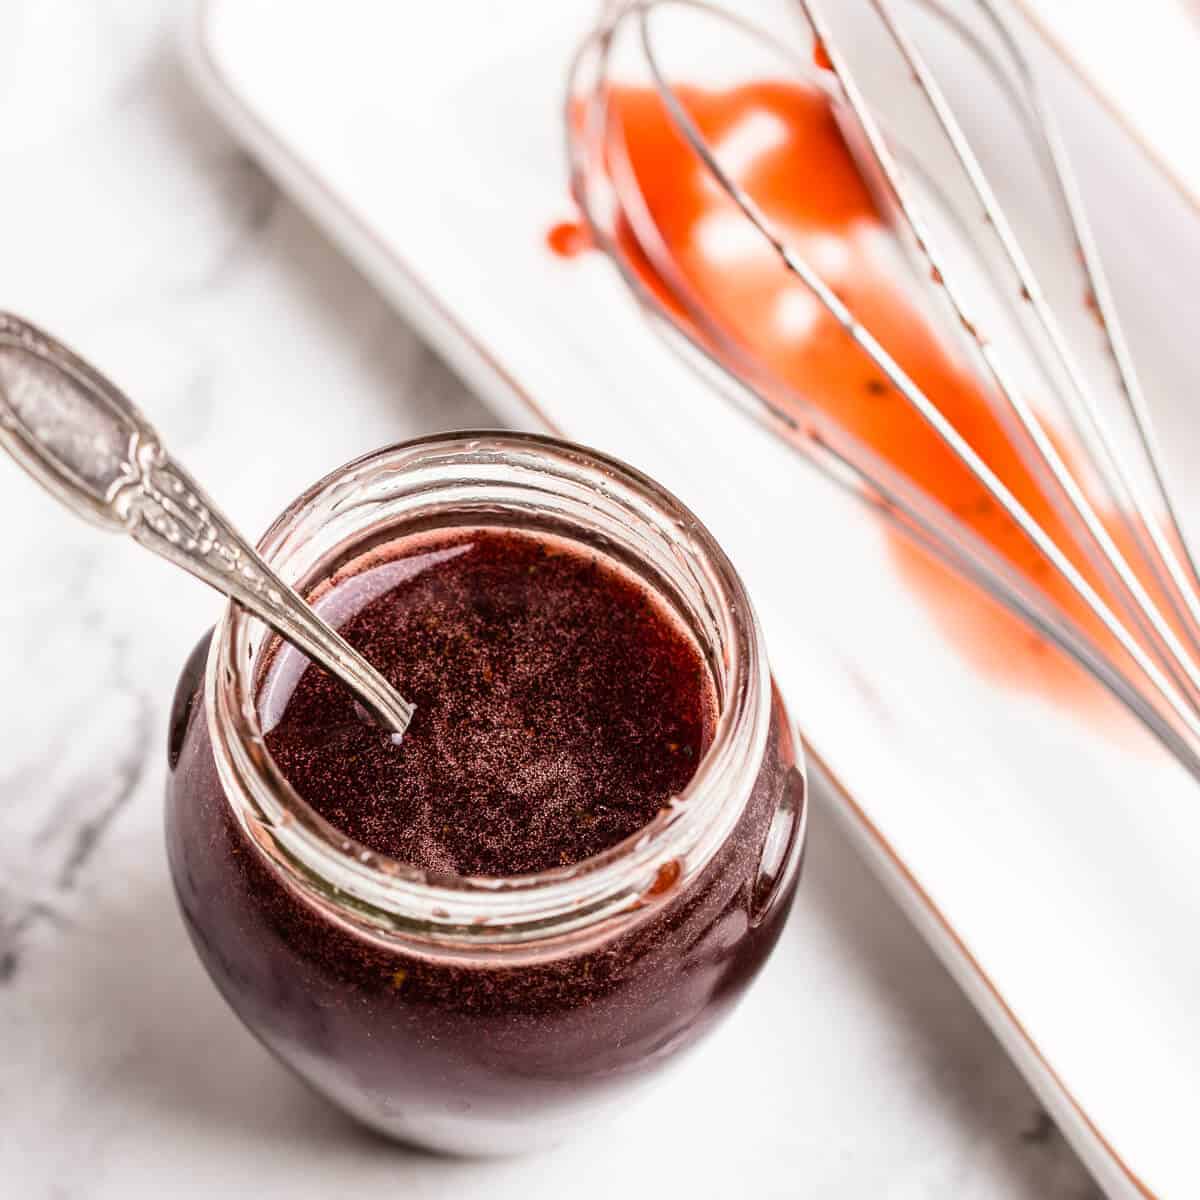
(707, 252)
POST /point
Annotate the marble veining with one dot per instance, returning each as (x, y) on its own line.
(131, 225)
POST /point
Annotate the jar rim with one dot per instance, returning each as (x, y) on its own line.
(464, 914)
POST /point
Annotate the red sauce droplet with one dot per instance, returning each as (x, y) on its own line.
(666, 878)
(821, 55)
(568, 239)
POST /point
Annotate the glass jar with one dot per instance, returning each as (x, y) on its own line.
(484, 1015)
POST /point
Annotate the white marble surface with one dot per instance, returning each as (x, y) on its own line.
(133, 227)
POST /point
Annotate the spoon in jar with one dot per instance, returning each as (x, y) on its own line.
(85, 443)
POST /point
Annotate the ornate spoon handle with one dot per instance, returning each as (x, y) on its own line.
(82, 439)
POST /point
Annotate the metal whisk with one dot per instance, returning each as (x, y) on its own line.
(1144, 591)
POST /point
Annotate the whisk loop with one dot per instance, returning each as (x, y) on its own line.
(1157, 670)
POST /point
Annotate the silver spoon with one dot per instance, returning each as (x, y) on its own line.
(86, 444)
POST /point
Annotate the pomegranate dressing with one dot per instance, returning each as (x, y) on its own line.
(579, 855)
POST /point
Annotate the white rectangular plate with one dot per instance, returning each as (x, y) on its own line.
(1141, 61)
(1049, 856)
